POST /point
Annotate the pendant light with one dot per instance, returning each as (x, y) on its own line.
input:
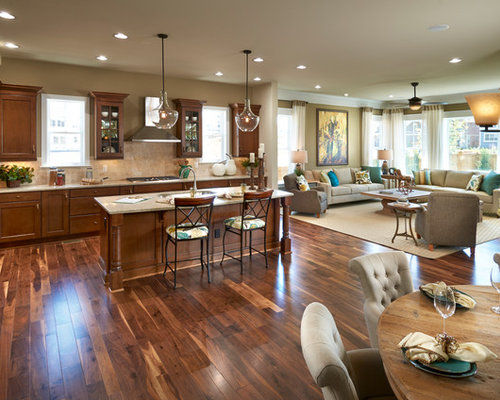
(165, 117)
(415, 102)
(247, 121)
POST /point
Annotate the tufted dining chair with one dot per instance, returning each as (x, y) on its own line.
(341, 375)
(384, 277)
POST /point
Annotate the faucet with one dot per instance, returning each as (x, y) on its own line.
(194, 177)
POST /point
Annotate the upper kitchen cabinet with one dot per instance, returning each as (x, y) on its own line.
(189, 127)
(18, 122)
(244, 143)
(108, 117)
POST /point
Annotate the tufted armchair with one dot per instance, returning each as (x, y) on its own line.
(351, 375)
(384, 277)
(313, 201)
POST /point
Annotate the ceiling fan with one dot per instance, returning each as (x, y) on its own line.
(415, 103)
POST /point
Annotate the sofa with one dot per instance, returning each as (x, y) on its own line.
(456, 182)
(347, 191)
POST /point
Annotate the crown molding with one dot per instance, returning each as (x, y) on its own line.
(319, 98)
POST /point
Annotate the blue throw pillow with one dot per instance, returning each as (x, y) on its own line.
(490, 182)
(375, 173)
(333, 178)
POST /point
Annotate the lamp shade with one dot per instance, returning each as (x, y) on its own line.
(299, 156)
(384, 154)
(485, 107)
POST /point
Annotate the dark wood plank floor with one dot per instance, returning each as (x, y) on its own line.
(63, 335)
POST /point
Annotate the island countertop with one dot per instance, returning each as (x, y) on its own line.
(156, 201)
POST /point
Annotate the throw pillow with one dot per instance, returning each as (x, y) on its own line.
(422, 177)
(375, 173)
(474, 182)
(324, 177)
(363, 177)
(302, 183)
(334, 181)
(490, 182)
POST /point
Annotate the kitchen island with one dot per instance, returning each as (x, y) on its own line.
(132, 236)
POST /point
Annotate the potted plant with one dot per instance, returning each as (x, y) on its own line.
(15, 175)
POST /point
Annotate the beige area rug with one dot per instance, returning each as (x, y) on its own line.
(362, 221)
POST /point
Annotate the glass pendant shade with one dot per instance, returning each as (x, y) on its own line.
(165, 117)
(246, 120)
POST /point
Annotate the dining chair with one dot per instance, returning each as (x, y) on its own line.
(254, 212)
(341, 374)
(384, 277)
(192, 221)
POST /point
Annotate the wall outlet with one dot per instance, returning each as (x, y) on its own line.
(217, 233)
(104, 168)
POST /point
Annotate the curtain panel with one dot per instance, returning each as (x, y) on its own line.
(367, 147)
(299, 124)
(393, 137)
(434, 143)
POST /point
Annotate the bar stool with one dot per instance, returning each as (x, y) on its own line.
(254, 213)
(193, 220)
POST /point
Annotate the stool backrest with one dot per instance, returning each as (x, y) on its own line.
(256, 205)
(196, 211)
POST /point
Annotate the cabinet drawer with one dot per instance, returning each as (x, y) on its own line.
(20, 196)
(95, 192)
(83, 206)
(158, 187)
(84, 223)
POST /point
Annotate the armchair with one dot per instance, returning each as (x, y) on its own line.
(313, 201)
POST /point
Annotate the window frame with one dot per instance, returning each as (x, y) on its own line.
(228, 133)
(45, 131)
(288, 112)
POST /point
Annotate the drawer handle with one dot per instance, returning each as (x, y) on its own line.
(37, 206)
(34, 148)
(95, 222)
(18, 196)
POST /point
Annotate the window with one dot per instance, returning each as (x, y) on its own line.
(215, 134)
(468, 147)
(413, 143)
(286, 141)
(65, 130)
(376, 138)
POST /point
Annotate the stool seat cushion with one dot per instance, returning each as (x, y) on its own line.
(248, 223)
(187, 231)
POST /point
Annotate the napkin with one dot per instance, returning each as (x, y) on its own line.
(460, 298)
(426, 349)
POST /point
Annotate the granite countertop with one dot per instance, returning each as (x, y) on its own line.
(107, 183)
(156, 201)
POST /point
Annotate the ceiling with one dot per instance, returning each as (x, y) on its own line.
(369, 49)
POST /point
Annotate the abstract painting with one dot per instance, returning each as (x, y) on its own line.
(331, 137)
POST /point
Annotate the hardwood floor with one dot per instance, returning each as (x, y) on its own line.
(63, 335)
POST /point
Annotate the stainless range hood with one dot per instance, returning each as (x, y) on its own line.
(152, 134)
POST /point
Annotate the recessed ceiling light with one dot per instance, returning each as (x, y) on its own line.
(317, 87)
(120, 35)
(301, 66)
(455, 60)
(257, 78)
(102, 58)
(258, 59)
(438, 28)
(391, 96)
(219, 73)
(6, 15)
(346, 94)
(11, 45)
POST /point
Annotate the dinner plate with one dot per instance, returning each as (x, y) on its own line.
(451, 369)
(428, 295)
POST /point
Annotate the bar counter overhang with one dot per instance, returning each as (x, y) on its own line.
(133, 235)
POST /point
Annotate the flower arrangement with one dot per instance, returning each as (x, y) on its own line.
(247, 164)
(15, 175)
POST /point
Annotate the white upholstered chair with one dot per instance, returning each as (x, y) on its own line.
(342, 375)
(384, 277)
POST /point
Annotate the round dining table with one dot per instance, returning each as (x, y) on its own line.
(415, 312)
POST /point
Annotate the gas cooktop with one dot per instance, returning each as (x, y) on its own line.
(152, 178)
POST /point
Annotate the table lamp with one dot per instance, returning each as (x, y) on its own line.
(299, 157)
(384, 155)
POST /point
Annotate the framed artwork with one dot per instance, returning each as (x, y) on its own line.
(331, 137)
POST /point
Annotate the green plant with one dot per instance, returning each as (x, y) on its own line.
(483, 162)
(246, 163)
(299, 171)
(15, 173)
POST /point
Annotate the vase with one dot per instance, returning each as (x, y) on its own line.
(13, 184)
(218, 169)
(230, 167)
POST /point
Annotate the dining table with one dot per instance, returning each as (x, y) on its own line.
(415, 312)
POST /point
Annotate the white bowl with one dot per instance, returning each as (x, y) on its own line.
(105, 114)
(114, 114)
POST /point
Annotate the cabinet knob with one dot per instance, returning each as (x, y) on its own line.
(95, 222)
(18, 196)
(37, 206)
(34, 148)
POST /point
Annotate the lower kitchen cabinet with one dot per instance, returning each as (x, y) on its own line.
(19, 216)
(55, 213)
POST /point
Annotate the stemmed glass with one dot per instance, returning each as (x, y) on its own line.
(495, 282)
(444, 303)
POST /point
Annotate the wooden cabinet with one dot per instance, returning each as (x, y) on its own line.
(55, 213)
(244, 143)
(189, 127)
(108, 117)
(18, 122)
(19, 216)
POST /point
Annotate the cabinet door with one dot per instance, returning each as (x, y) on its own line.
(55, 213)
(18, 128)
(19, 221)
(189, 127)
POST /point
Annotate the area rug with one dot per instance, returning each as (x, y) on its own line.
(362, 221)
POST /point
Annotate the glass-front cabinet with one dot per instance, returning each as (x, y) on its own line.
(189, 127)
(108, 115)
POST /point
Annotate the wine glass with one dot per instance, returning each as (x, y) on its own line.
(444, 303)
(495, 282)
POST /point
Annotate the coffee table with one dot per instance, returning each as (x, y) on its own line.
(391, 195)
